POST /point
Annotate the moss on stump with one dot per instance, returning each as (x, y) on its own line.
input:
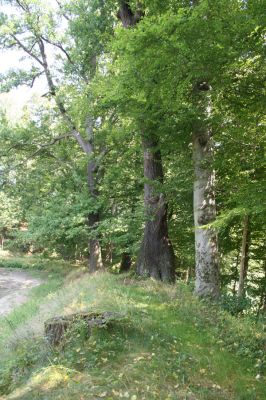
(55, 328)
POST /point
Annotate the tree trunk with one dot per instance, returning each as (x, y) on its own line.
(156, 258)
(95, 257)
(236, 273)
(244, 258)
(263, 295)
(125, 263)
(127, 17)
(206, 243)
(95, 253)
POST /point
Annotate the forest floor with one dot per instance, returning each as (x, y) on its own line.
(169, 346)
(14, 288)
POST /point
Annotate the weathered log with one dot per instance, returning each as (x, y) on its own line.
(55, 328)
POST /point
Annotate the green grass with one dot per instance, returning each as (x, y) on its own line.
(169, 346)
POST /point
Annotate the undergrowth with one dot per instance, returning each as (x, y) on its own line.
(169, 346)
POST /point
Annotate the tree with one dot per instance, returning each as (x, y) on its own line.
(244, 258)
(41, 35)
(156, 258)
(176, 86)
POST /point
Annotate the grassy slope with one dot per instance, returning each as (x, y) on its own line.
(168, 347)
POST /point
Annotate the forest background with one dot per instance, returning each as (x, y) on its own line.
(177, 86)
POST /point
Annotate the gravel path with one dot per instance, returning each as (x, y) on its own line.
(14, 287)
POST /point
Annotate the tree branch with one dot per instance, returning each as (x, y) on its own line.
(55, 140)
(29, 52)
(40, 145)
(46, 69)
(61, 8)
(83, 143)
(23, 6)
(35, 77)
(59, 46)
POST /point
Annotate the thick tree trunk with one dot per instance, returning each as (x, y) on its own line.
(156, 258)
(244, 258)
(127, 17)
(206, 243)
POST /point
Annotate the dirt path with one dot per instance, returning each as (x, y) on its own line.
(14, 287)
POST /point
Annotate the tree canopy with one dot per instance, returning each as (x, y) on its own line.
(175, 89)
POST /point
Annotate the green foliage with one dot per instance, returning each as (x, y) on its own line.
(234, 304)
(133, 82)
(38, 265)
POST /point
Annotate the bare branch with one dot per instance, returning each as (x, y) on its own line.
(45, 94)
(59, 46)
(35, 77)
(83, 144)
(55, 140)
(23, 6)
(46, 68)
(29, 52)
(33, 46)
(61, 8)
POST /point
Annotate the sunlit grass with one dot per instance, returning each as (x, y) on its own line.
(167, 347)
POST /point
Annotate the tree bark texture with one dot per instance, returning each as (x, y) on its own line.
(156, 258)
(127, 17)
(56, 327)
(244, 258)
(206, 242)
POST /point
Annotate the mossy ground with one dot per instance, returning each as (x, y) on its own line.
(169, 346)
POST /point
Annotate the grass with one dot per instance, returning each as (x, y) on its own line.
(169, 346)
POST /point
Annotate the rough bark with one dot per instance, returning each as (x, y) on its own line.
(206, 243)
(127, 17)
(244, 258)
(95, 254)
(156, 258)
(56, 327)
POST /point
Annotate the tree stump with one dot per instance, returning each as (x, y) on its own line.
(55, 328)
